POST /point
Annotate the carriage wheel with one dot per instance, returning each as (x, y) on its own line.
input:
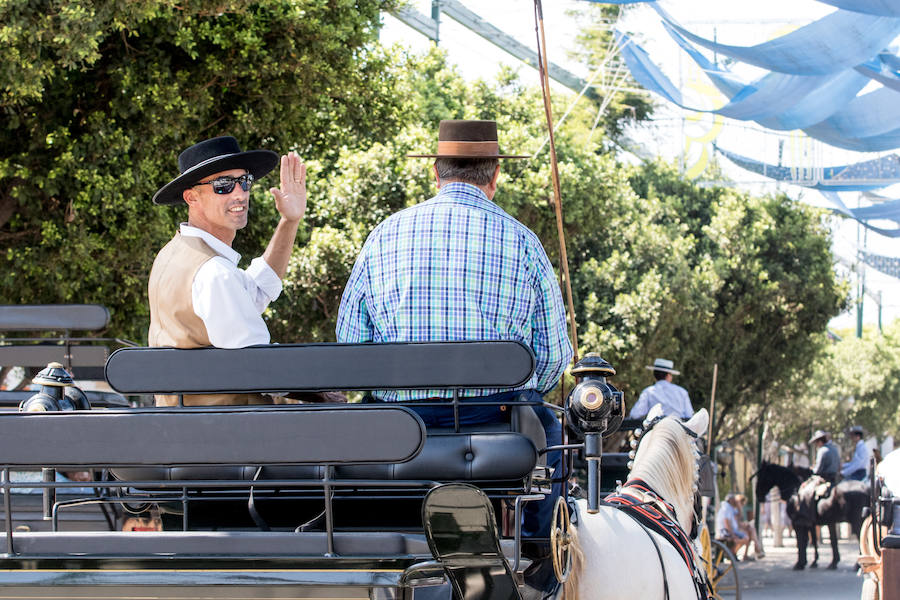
(867, 537)
(706, 550)
(560, 542)
(723, 572)
(875, 513)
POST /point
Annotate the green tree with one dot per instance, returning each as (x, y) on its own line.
(852, 382)
(98, 96)
(757, 289)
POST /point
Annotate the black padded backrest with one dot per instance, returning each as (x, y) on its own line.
(53, 317)
(39, 355)
(234, 436)
(288, 367)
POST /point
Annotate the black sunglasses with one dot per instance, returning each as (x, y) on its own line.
(225, 184)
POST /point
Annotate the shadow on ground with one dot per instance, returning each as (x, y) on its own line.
(771, 578)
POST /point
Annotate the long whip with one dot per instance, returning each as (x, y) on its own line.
(554, 170)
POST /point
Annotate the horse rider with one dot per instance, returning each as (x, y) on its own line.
(198, 295)
(828, 457)
(673, 398)
(458, 267)
(858, 466)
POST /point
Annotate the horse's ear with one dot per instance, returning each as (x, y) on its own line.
(699, 422)
(656, 411)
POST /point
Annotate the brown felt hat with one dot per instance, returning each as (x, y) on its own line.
(468, 139)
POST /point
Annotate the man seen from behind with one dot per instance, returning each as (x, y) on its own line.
(457, 267)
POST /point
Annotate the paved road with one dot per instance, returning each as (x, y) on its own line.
(771, 578)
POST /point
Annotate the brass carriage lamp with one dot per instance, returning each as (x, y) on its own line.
(595, 405)
(595, 409)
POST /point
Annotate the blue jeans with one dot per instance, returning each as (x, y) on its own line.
(538, 514)
(858, 475)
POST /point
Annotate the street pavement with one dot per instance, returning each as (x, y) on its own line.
(771, 578)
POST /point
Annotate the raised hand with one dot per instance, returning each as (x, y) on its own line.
(290, 200)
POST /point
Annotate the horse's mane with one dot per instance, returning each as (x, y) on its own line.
(667, 461)
(772, 475)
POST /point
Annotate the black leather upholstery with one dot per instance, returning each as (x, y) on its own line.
(205, 543)
(502, 456)
(315, 367)
(343, 434)
(53, 317)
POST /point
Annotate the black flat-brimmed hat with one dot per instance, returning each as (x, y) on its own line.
(467, 139)
(211, 156)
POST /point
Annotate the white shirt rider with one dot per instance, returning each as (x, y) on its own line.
(674, 399)
(230, 301)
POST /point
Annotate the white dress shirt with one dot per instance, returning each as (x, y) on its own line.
(726, 521)
(860, 459)
(230, 301)
(674, 400)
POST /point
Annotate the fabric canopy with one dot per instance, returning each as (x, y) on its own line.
(886, 8)
(888, 265)
(888, 211)
(816, 75)
(826, 107)
(835, 42)
(838, 206)
(777, 100)
(878, 143)
(879, 173)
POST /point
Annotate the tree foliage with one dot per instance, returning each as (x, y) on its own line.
(854, 381)
(99, 96)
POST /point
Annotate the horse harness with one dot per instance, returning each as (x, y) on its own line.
(637, 500)
(652, 513)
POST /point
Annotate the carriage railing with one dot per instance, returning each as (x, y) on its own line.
(101, 441)
(77, 353)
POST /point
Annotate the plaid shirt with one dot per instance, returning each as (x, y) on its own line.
(453, 268)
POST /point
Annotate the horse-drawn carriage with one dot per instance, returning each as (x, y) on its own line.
(311, 501)
(879, 542)
(31, 336)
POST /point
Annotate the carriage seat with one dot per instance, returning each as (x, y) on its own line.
(471, 454)
(472, 457)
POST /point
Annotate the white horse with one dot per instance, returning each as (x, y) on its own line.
(613, 557)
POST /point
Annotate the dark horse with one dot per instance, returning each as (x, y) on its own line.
(843, 504)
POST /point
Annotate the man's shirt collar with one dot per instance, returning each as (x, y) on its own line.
(212, 241)
(466, 194)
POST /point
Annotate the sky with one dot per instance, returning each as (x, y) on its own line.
(676, 134)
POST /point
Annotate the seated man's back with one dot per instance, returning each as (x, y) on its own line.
(457, 267)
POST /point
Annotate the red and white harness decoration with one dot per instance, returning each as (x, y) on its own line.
(640, 502)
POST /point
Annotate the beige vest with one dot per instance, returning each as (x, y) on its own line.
(173, 322)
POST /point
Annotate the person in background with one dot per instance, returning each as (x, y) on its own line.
(727, 526)
(858, 466)
(673, 398)
(749, 528)
(828, 457)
